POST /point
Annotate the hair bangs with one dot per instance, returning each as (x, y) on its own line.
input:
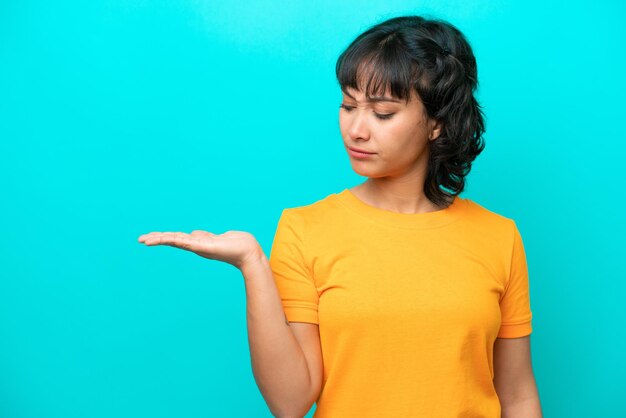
(377, 69)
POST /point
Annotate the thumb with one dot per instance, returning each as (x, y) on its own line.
(200, 233)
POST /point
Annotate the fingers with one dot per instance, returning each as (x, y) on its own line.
(190, 242)
(174, 239)
(142, 238)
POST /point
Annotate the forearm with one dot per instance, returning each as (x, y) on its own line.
(278, 363)
(527, 408)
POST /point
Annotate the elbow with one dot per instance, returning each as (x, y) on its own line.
(522, 408)
(288, 414)
(300, 410)
(293, 412)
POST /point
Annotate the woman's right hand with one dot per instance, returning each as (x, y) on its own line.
(233, 247)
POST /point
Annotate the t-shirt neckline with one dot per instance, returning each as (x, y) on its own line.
(404, 220)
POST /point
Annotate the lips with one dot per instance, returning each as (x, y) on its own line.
(361, 150)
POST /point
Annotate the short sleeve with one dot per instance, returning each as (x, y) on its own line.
(515, 301)
(292, 276)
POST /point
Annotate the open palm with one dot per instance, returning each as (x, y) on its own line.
(233, 247)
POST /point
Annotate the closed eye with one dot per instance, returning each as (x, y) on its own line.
(382, 116)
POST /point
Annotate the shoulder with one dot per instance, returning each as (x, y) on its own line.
(480, 211)
(491, 223)
(312, 213)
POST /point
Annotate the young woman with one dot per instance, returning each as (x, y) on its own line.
(397, 297)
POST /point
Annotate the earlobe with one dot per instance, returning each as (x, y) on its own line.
(434, 134)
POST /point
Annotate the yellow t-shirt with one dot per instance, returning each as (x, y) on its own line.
(408, 305)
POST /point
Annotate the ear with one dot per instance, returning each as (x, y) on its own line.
(435, 131)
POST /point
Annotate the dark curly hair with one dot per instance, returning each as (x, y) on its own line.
(435, 59)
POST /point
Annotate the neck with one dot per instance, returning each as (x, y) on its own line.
(401, 197)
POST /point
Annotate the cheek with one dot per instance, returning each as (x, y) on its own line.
(397, 136)
(402, 144)
(343, 125)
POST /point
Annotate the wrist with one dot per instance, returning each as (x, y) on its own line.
(253, 261)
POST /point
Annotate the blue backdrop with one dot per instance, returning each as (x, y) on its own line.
(118, 118)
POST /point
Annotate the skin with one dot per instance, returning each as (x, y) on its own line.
(396, 174)
(238, 248)
(514, 379)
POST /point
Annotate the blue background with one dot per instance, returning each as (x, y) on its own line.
(118, 118)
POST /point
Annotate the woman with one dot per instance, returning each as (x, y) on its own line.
(400, 298)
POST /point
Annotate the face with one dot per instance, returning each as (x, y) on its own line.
(396, 133)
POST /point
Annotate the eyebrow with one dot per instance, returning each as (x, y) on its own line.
(374, 99)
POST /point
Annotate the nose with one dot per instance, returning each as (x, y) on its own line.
(358, 128)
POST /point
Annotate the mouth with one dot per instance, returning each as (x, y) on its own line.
(356, 153)
(360, 151)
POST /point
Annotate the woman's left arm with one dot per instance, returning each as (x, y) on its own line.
(514, 379)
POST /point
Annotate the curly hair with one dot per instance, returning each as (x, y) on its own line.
(435, 59)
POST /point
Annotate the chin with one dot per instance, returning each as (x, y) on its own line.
(367, 171)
